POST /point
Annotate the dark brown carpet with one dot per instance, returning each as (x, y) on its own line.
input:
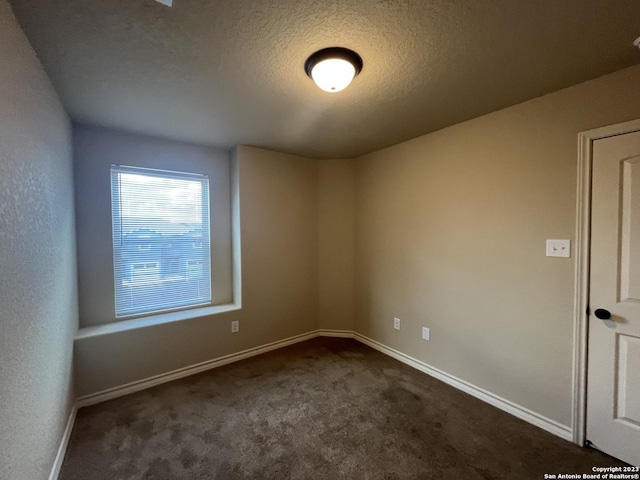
(322, 409)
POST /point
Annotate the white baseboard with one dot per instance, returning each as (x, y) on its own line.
(138, 385)
(514, 409)
(64, 442)
(336, 333)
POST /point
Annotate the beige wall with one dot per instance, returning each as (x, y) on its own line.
(450, 234)
(279, 238)
(445, 231)
(38, 300)
(336, 288)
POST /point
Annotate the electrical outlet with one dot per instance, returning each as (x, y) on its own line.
(235, 326)
(558, 248)
(426, 334)
(396, 323)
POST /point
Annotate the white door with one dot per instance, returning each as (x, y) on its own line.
(613, 388)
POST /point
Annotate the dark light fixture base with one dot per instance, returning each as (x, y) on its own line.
(333, 52)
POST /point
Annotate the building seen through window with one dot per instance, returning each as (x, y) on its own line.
(161, 242)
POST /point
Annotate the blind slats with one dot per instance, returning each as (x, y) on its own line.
(161, 241)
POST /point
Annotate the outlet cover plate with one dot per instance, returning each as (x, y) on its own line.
(558, 248)
(396, 323)
(426, 334)
(235, 326)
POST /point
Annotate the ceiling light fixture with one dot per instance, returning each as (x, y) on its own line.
(333, 68)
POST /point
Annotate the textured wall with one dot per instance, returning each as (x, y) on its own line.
(279, 237)
(336, 289)
(38, 301)
(450, 234)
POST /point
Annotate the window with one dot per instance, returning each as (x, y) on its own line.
(161, 240)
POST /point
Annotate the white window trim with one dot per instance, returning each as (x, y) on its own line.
(115, 170)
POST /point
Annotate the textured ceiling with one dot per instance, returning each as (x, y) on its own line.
(231, 72)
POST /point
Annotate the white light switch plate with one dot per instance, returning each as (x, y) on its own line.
(558, 248)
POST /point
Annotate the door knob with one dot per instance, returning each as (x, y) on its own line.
(602, 314)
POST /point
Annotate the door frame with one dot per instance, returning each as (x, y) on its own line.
(582, 263)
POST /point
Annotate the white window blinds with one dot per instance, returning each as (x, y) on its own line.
(161, 243)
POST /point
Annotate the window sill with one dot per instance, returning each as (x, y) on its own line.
(142, 322)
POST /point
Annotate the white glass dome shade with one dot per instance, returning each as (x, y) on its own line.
(333, 69)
